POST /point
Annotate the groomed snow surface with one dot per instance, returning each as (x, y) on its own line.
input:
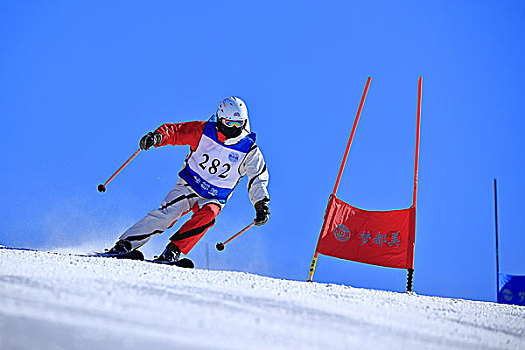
(60, 301)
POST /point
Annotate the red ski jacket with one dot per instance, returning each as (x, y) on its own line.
(188, 133)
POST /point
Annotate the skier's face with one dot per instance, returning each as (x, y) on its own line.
(230, 128)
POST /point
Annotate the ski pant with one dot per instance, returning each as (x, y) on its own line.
(178, 202)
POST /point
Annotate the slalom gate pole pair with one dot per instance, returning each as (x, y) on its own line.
(102, 188)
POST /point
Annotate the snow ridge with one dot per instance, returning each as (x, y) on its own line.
(60, 301)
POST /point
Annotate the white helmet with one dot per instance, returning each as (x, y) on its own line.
(233, 108)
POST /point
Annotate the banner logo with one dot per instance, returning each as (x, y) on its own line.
(342, 233)
(507, 295)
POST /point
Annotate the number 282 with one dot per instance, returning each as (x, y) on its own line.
(214, 167)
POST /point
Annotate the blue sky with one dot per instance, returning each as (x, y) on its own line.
(82, 82)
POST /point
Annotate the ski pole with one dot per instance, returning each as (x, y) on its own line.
(102, 187)
(220, 246)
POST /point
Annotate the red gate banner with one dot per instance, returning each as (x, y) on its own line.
(383, 238)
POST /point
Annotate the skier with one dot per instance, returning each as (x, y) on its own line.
(222, 151)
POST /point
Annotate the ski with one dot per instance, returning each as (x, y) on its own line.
(137, 255)
(184, 263)
(132, 255)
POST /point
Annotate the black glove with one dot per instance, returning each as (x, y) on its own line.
(263, 213)
(150, 139)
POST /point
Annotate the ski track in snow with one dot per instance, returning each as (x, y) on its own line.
(60, 301)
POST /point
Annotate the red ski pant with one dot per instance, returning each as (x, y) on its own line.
(193, 229)
(180, 201)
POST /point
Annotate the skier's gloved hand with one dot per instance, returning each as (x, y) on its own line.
(150, 139)
(263, 213)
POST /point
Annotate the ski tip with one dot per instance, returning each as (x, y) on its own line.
(186, 263)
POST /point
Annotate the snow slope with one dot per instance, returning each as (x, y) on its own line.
(60, 301)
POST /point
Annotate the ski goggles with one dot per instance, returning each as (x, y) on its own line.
(233, 123)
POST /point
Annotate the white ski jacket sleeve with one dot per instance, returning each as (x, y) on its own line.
(255, 167)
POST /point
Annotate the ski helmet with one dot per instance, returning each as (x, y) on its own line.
(232, 117)
(233, 108)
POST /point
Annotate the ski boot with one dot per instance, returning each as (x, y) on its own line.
(121, 247)
(122, 250)
(170, 255)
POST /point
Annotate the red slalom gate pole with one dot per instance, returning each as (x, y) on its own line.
(418, 128)
(351, 136)
(102, 187)
(220, 246)
(410, 271)
(365, 92)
